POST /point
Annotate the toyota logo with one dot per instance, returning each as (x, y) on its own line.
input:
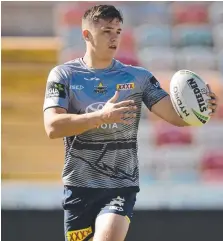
(95, 107)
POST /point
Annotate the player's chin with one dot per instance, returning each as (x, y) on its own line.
(111, 53)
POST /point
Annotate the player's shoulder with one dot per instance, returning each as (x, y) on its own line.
(137, 71)
(66, 68)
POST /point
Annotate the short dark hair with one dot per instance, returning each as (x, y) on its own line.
(106, 12)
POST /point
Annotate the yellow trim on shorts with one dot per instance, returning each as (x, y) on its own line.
(128, 218)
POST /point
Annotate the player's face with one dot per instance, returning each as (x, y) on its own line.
(106, 38)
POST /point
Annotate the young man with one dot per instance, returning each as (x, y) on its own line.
(94, 103)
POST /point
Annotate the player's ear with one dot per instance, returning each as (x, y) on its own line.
(85, 34)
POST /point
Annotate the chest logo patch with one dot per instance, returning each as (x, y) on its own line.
(100, 89)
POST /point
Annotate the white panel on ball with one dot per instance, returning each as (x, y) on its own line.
(188, 94)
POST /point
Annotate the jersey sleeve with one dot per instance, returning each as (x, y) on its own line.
(152, 92)
(57, 90)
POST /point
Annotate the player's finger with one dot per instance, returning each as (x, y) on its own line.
(211, 113)
(212, 101)
(114, 97)
(212, 107)
(124, 103)
(128, 108)
(212, 95)
(209, 87)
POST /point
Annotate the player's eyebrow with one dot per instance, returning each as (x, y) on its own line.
(119, 29)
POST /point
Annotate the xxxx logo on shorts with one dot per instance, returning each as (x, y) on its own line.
(79, 235)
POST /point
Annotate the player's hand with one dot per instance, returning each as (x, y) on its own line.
(213, 102)
(113, 112)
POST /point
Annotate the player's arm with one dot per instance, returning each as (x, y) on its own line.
(158, 101)
(165, 110)
(58, 123)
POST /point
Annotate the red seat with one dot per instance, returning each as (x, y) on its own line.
(166, 134)
(71, 13)
(189, 13)
(212, 166)
(219, 112)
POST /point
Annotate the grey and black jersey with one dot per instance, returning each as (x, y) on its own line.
(104, 157)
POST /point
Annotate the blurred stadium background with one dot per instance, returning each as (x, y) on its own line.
(181, 169)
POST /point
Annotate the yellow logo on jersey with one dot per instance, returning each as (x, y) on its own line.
(79, 235)
(127, 86)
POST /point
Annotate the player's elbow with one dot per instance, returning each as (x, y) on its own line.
(51, 131)
(179, 122)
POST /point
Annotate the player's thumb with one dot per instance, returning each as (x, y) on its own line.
(114, 97)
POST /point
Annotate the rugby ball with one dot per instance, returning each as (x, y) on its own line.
(188, 93)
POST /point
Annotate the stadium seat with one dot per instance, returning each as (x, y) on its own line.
(152, 13)
(212, 166)
(70, 14)
(218, 36)
(72, 37)
(149, 13)
(219, 115)
(189, 12)
(192, 35)
(196, 58)
(166, 134)
(210, 135)
(175, 163)
(216, 12)
(128, 42)
(152, 35)
(157, 58)
(220, 61)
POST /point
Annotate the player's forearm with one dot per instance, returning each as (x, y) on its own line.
(164, 109)
(62, 125)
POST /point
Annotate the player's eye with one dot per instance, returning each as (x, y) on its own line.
(118, 32)
(107, 31)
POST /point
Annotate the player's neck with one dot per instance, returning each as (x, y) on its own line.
(93, 62)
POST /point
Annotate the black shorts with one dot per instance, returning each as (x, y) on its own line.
(82, 206)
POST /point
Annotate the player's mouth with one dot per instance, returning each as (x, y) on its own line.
(114, 47)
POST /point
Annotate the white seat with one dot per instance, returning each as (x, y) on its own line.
(216, 12)
(196, 58)
(192, 35)
(218, 36)
(152, 35)
(157, 58)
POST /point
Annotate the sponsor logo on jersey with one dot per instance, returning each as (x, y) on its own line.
(179, 102)
(55, 89)
(127, 86)
(198, 93)
(100, 89)
(76, 87)
(98, 106)
(94, 107)
(116, 204)
(155, 82)
(79, 235)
